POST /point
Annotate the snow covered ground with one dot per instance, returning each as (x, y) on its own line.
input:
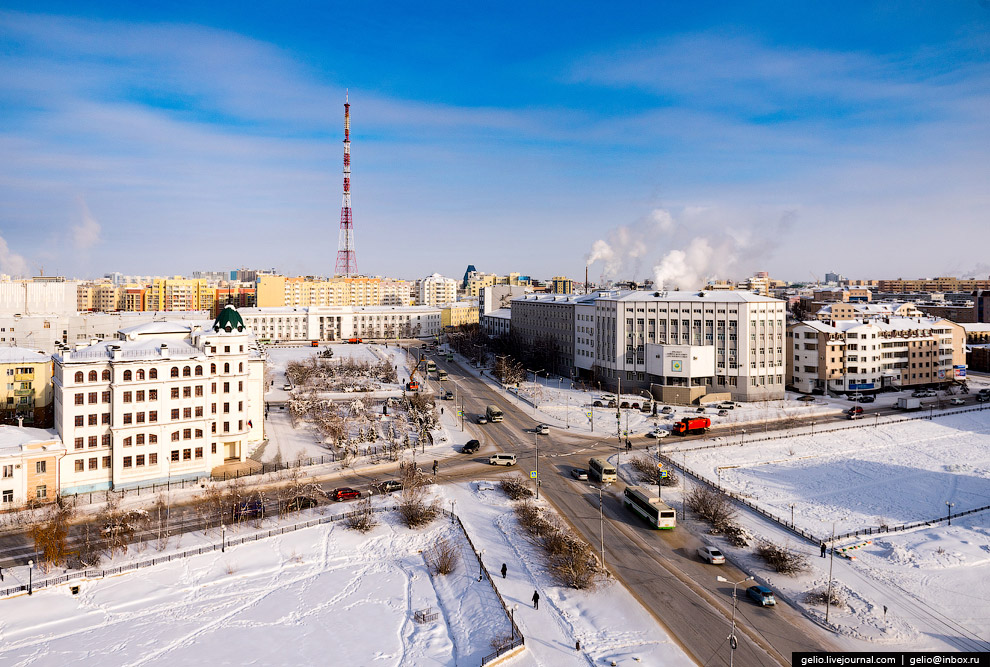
(329, 595)
(934, 580)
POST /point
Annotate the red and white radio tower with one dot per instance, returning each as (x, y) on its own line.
(346, 259)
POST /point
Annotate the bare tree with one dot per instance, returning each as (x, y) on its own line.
(50, 535)
(442, 557)
(712, 506)
(782, 559)
(416, 507)
(363, 518)
(160, 519)
(117, 526)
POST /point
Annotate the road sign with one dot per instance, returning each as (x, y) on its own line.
(589, 413)
(532, 474)
(460, 412)
(663, 474)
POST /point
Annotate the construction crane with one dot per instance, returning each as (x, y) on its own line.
(413, 385)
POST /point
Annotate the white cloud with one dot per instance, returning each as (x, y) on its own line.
(10, 262)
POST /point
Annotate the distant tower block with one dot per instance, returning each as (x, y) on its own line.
(346, 258)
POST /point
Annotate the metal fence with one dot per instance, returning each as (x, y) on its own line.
(97, 573)
(800, 532)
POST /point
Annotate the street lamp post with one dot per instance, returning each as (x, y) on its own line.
(223, 538)
(30, 577)
(659, 463)
(743, 438)
(536, 440)
(950, 506)
(831, 562)
(481, 567)
(512, 619)
(732, 633)
(792, 514)
(601, 520)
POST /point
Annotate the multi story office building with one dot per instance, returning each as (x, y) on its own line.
(545, 325)
(26, 393)
(855, 355)
(864, 311)
(561, 285)
(458, 314)
(163, 401)
(275, 291)
(29, 466)
(342, 322)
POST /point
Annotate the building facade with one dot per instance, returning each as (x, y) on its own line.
(26, 396)
(342, 322)
(29, 466)
(436, 289)
(870, 355)
(458, 314)
(164, 401)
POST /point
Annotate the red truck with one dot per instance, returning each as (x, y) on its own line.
(690, 425)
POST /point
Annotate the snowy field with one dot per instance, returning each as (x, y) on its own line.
(934, 581)
(329, 595)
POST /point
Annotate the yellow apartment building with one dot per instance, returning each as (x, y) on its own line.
(26, 389)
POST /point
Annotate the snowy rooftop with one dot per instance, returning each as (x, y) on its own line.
(13, 438)
(133, 350)
(18, 355)
(319, 310)
(888, 324)
(503, 313)
(717, 296)
(149, 328)
(975, 327)
(559, 298)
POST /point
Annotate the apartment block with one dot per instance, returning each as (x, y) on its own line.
(26, 393)
(855, 355)
(436, 289)
(170, 294)
(163, 401)
(945, 284)
(458, 314)
(342, 322)
(275, 291)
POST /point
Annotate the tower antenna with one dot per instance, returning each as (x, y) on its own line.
(346, 258)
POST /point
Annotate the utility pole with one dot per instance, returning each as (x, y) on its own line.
(828, 595)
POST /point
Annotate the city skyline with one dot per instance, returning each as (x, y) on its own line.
(661, 142)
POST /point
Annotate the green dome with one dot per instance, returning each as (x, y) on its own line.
(228, 320)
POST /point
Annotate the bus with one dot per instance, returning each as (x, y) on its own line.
(493, 413)
(650, 507)
(601, 471)
(430, 366)
(441, 375)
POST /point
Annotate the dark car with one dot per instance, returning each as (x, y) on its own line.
(302, 503)
(249, 509)
(470, 447)
(868, 399)
(447, 395)
(345, 493)
(762, 595)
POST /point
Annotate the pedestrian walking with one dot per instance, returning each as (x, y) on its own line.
(504, 570)
(536, 600)
(1, 574)
(823, 550)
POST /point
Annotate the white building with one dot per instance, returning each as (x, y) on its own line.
(497, 323)
(435, 290)
(334, 323)
(29, 466)
(164, 401)
(38, 296)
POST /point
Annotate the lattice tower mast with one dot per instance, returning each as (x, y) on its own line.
(346, 258)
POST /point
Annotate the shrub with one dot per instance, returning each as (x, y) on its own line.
(712, 506)
(570, 559)
(516, 489)
(363, 518)
(442, 557)
(416, 508)
(817, 597)
(781, 559)
(649, 473)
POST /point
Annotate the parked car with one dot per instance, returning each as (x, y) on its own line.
(249, 509)
(806, 399)
(855, 415)
(727, 405)
(579, 474)
(482, 419)
(762, 595)
(982, 398)
(700, 410)
(470, 447)
(711, 554)
(854, 397)
(868, 399)
(502, 459)
(543, 429)
(956, 401)
(667, 410)
(345, 493)
(388, 486)
(723, 413)
(855, 410)
(287, 387)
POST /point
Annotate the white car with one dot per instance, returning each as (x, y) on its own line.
(543, 429)
(658, 433)
(957, 401)
(711, 555)
(286, 387)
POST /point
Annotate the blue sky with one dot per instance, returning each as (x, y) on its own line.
(675, 141)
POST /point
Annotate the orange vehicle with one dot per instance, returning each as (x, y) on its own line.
(315, 343)
(690, 425)
(353, 340)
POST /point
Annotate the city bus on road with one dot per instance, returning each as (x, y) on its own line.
(650, 507)
(601, 471)
(493, 413)
(441, 375)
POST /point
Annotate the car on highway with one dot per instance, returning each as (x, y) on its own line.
(711, 554)
(854, 410)
(345, 493)
(470, 447)
(543, 429)
(956, 401)
(658, 432)
(579, 474)
(482, 419)
(982, 398)
(868, 399)
(762, 595)
(447, 395)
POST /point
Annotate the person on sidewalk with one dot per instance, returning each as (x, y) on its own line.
(504, 570)
(536, 600)
(823, 550)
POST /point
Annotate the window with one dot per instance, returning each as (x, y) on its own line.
(153, 459)
(139, 439)
(174, 372)
(127, 461)
(127, 397)
(213, 369)
(175, 413)
(226, 408)
(186, 392)
(93, 397)
(213, 447)
(42, 491)
(79, 398)
(106, 439)
(8, 471)
(226, 387)
(80, 465)
(186, 372)
(153, 416)
(240, 384)
(175, 454)
(226, 368)
(105, 398)
(140, 418)
(213, 427)
(199, 452)
(175, 436)
(199, 371)
(79, 443)
(79, 376)
(128, 417)
(199, 410)
(199, 433)
(140, 374)
(92, 420)
(226, 427)
(187, 454)
(127, 441)
(106, 461)
(92, 376)
(105, 419)
(106, 376)
(139, 460)
(187, 434)
(153, 374)
(175, 392)
(187, 413)
(199, 390)
(128, 376)
(152, 439)
(152, 394)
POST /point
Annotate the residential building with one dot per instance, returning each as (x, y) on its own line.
(945, 284)
(29, 466)
(396, 293)
(561, 285)
(497, 323)
(163, 401)
(238, 297)
(436, 289)
(863, 311)
(43, 295)
(544, 325)
(178, 293)
(458, 314)
(26, 393)
(276, 291)
(853, 355)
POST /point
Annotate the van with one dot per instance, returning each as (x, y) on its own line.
(502, 459)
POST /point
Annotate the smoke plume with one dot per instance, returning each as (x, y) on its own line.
(10, 262)
(87, 233)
